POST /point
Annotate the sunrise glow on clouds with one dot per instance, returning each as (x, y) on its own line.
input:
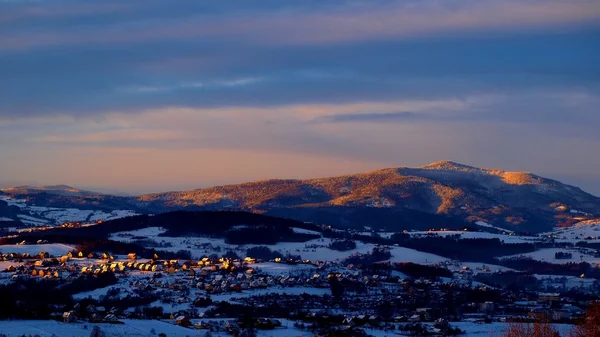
(144, 96)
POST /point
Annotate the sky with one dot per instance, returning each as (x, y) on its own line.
(147, 96)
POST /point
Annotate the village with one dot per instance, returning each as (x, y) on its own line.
(216, 294)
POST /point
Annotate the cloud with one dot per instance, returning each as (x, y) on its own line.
(385, 117)
(92, 79)
(346, 21)
(193, 85)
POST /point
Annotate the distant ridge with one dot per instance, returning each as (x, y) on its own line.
(439, 194)
(50, 189)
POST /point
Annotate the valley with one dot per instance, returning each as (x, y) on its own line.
(424, 253)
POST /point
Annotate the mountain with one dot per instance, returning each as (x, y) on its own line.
(50, 189)
(440, 194)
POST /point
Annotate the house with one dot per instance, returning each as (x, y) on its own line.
(90, 309)
(183, 321)
(265, 323)
(131, 256)
(111, 318)
(69, 316)
(486, 307)
(414, 318)
(549, 297)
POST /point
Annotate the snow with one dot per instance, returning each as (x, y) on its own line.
(314, 250)
(547, 255)
(148, 232)
(401, 254)
(32, 220)
(574, 211)
(40, 215)
(143, 328)
(476, 267)
(272, 268)
(305, 231)
(122, 285)
(485, 224)
(579, 232)
(5, 219)
(480, 235)
(272, 290)
(54, 249)
(496, 328)
(13, 202)
(130, 328)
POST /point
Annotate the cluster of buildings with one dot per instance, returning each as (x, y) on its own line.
(376, 300)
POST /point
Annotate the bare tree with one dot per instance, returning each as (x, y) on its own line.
(541, 327)
(589, 326)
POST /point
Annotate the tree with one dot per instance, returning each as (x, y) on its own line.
(541, 327)
(590, 323)
(337, 289)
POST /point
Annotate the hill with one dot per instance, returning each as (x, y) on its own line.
(440, 194)
(49, 189)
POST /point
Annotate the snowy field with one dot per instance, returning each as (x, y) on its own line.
(481, 235)
(130, 328)
(485, 224)
(547, 255)
(274, 291)
(33, 221)
(145, 328)
(476, 267)
(581, 231)
(277, 269)
(40, 216)
(314, 250)
(55, 249)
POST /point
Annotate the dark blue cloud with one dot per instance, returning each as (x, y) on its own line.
(88, 79)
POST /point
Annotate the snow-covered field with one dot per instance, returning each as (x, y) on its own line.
(481, 235)
(477, 267)
(40, 216)
(485, 224)
(401, 254)
(130, 328)
(151, 232)
(55, 249)
(274, 291)
(305, 231)
(314, 250)
(496, 329)
(547, 255)
(577, 233)
(272, 268)
(145, 328)
(29, 220)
